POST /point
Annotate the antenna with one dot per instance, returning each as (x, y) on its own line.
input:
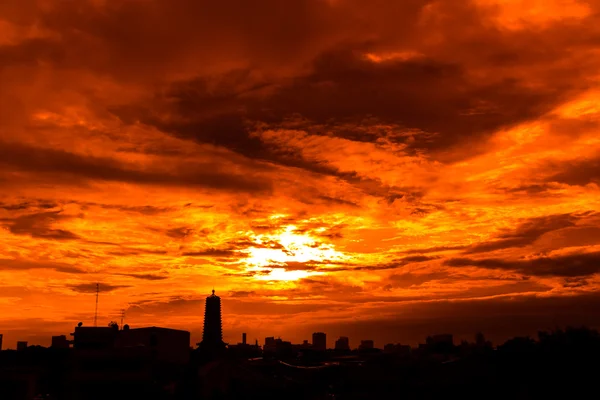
(122, 317)
(96, 313)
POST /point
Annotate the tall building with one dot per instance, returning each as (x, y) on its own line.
(343, 343)
(440, 343)
(319, 341)
(445, 339)
(21, 346)
(212, 337)
(0, 342)
(366, 345)
(479, 339)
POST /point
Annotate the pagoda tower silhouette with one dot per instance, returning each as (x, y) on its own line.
(212, 336)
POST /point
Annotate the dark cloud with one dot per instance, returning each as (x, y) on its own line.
(573, 265)
(324, 285)
(49, 161)
(242, 293)
(575, 282)
(26, 205)
(179, 233)
(409, 279)
(436, 249)
(31, 52)
(337, 201)
(344, 86)
(235, 248)
(91, 287)
(332, 82)
(212, 253)
(40, 225)
(399, 263)
(171, 35)
(417, 259)
(147, 277)
(19, 264)
(579, 172)
(298, 266)
(127, 252)
(145, 210)
(249, 274)
(526, 233)
(531, 190)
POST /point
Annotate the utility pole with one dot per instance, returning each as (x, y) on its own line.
(96, 313)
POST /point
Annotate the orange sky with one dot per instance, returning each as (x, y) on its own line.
(375, 168)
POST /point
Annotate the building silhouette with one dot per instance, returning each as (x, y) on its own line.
(21, 346)
(94, 337)
(398, 349)
(212, 336)
(366, 345)
(440, 344)
(244, 349)
(343, 343)
(0, 342)
(319, 341)
(480, 340)
(165, 345)
(60, 342)
(445, 338)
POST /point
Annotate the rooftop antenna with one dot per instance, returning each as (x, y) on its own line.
(96, 313)
(122, 317)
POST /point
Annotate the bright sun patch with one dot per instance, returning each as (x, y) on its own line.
(296, 248)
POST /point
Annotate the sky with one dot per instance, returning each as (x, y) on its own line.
(376, 169)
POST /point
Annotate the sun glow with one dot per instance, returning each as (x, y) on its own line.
(280, 274)
(295, 248)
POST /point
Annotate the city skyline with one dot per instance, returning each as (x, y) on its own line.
(212, 336)
(377, 169)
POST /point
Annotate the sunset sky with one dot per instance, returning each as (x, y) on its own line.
(381, 169)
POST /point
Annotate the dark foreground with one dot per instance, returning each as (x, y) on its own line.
(558, 365)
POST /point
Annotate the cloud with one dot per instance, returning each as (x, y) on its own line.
(409, 279)
(91, 287)
(39, 225)
(49, 161)
(578, 172)
(395, 264)
(440, 149)
(179, 233)
(212, 253)
(127, 252)
(572, 265)
(435, 249)
(147, 277)
(241, 293)
(144, 210)
(22, 265)
(526, 233)
(26, 205)
(344, 85)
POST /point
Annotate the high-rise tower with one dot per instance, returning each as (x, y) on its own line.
(212, 337)
(319, 341)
